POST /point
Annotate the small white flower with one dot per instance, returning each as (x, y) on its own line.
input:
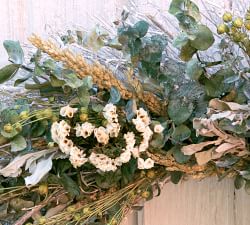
(125, 156)
(140, 163)
(147, 134)
(67, 111)
(84, 130)
(101, 135)
(109, 113)
(66, 145)
(63, 129)
(139, 125)
(135, 152)
(149, 163)
(77, 158)
(113, 129)
(143, 146)
(158, 128)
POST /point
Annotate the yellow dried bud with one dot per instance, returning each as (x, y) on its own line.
(83, 117)
(24, 115)
(43, 189)
(8, 128)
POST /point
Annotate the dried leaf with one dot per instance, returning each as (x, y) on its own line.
(55, 210)
(13, 169)
(42, 168)
(225, 147)
(193, 148)
(203, 157)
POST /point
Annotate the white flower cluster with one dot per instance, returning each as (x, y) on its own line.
(61, 130)
(59, 133)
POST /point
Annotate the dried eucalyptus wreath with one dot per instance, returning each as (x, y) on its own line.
(103, 120)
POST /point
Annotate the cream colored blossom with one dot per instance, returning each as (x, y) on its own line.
(147, 134)
(66, 145)
(63, 128)
(125, 156)
(109, 113)
(140, 163)
(101, 135)
(102, 162)
(135, 152)
(113, 129)
(149, 163)
(77, 158)
(145, 164)
(139, 125)
(84, 130)
(143, 116)
(67, 111)
(143, 146)
(158, 128)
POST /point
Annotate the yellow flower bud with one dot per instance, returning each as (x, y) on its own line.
(71, 209)
(145, 194)
(83, 117)
(24, 115)
(8, 128)
(18, 127)
(43, 189)
(48, 113)
(222, 28)
(42, 220)
(227, 17)
(151, 174)
(247, 24)
(238, 22)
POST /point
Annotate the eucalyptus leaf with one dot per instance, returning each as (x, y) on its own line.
(176, 176)
(22, 79)
(247, 187)
(115, 95)
(239, 182)
(194, 69)
(203, 38)
(178, 154)
(181, 133)
(83, 95)
(70, 185)
(179, 110)
(14, 51)
(187, 52)
(8, 72)
(141, 27)
(18, 143)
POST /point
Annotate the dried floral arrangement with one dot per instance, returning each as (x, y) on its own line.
(106, 119)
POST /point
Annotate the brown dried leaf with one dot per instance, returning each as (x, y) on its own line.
(203, 157)
(193, 148)
(225, 147)
(55, 210)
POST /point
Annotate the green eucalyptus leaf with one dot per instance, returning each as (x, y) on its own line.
(194, 69)
(179, 110)
(187, 51)
(176, 6)
(203, 38)
(71, 79)
(181, 40)
(157, 141)
(83, 95)
(215, 85)
(22, 79)
(181, 133)
(193, 10)
(115, 95)
(70, 185)
(9, 135)
(97, 107)
(56, 82)
(9, 116)
(239, 182)
(141, 28)
(178, 154)
(39, 128)
(8, 72)
(14, 51)
(18, 143)
(176, 176)
(247, 187)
